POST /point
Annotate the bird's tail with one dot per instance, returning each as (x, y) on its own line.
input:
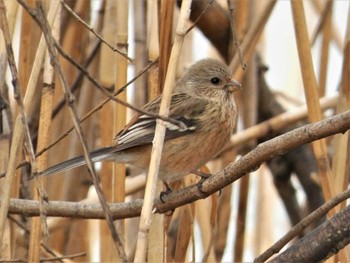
(96, 156)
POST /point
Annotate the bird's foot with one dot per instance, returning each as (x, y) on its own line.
(167, 191)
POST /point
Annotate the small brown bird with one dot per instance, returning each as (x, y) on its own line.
(202, 100)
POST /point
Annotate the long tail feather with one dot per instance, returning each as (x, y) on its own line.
(96, 156)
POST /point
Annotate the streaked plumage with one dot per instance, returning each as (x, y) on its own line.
(203, 101)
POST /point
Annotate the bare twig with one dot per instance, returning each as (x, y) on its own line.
(91, 29)
(79, 78)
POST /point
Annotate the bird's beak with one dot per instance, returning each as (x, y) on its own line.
(233, 85)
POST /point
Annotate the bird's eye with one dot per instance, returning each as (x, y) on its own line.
(215, 80)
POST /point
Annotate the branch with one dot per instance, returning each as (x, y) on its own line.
(265, 151)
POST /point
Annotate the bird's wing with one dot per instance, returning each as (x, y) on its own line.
(140, 130)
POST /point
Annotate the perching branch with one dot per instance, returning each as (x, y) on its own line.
(265, 151)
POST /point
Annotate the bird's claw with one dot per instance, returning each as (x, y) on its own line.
(163, 194)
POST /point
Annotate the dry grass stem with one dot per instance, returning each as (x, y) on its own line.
(146, 213)
(38, 224)
(311, 94)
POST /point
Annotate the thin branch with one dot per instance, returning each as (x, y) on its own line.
(111, 96)
(78, 78)
(91, 29)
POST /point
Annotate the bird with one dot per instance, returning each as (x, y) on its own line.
(202, 100)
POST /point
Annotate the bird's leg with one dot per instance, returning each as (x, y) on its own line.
(166, 192)
(202, 175)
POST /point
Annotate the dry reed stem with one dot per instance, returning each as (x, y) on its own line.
(157, 239)
(140, 38)
(325, 48)
(224, 211)
(184, 232)
(157, 234)
(335, 36)
(119, 112)
(311, 94)
(146, 213)
(165, 38)
(74, 41)
(249, 99)
(11, 14)
(29, 39)
(340, 164)
(107, 76)
(203, 208)
(6, 245)
(278, 123)
(152, 29)
(43, 138)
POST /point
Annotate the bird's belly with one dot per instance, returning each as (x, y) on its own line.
(185, 154)
(180, 155)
